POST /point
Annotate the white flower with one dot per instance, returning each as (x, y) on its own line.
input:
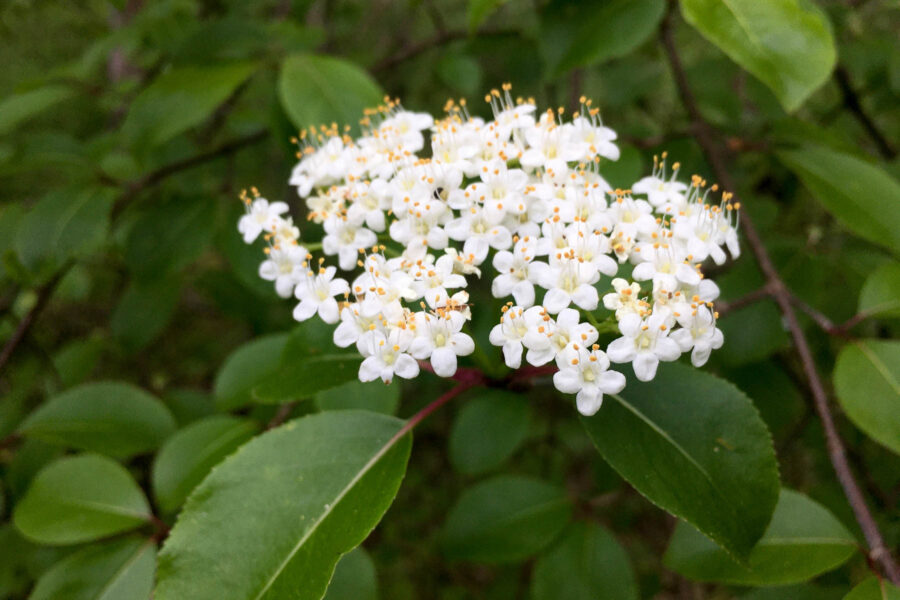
(439, 338)
(549, 340)
(515, 323)
(664, 265)
(286, 266)
(479, 233)
(585, 373)
(431, 281)
(625, 300)
(316, 294)
(518, 272)
(644, 343)
(698, 331)
(387, 356)
(261, 216)
(569, 281)
(661, 193)
(345, 238)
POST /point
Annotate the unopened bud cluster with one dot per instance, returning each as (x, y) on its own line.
(410, 220)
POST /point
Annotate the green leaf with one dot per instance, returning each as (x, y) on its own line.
(802, 541)
(189, 455)
(694, 445)
(852, 190)
(304, 377)
(323, 89)
(374, 396)
(354, 578)
(117, 570)
(181, 98)
(786, 44)
(587, 563)
(244, 368)
(144, 310)
(21, 107)
(65, 223)
(479, 10)
(505, 519)
(803, 591)
(880, 295)
(295, 499)
(80, 499)
(610, 29)
(488, 430)
(117, 419)
(76, 360)
(867, 383)
(169, 236)
(874, 589)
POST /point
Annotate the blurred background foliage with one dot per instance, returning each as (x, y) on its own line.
(128, 128)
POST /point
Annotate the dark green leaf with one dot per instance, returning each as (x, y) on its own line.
(76, 360)
(874, 589)
(802, 541)
(169, 237)
(354, 578)
(144, 310)
(189, 455)
(306, 376)
(867, 383)
(803, 591)
(787, 44)
(609, 29)
(694, 445)
(374, 396)
(80, 499)
(479, 10)
(853, 190)
(488, 430)
(295, 499)
(505, 519)
(880, 295)
(117, 570)
(181, 98)
(323, 89)
(587, 563)
(252, 363)
(63, 224)
(20, 107)
(114, 418)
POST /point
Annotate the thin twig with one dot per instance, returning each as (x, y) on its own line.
(853, 104)
(439, 39)
(284, 411)
(878, 551)
(723, 308)
(826, 324)
(21, 331)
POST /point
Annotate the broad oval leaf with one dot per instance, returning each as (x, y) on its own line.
(65, 223)
(874, 589)
(80, 499)
(505, 519)
(323, 89)
(306, 376)
(587, 563)
(609, 29)
(488, 430)
(786, 44)
(354, 578)
(802, 541)
(374, 396)
(189, 455)
(109, 417)
(117, 570)
(144, 310)
(694, 445)
(20, 107)
(244, 368)
(858, 194)
(880, 295)
(181, 98)
(294, 500)
(867, 383)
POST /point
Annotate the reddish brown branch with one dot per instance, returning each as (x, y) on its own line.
(25, 324)
(853, 104)
(715, 156)
(723, 308)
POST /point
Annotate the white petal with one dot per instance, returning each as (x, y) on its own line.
(611, 382)
(345, 335)
(666, 349)
(555, 300)
(586, 297)
(645, 364)
(512, 354)
(406, 366)
(370, 369)
(621, 350)
(589, 400)
(305, 310)
(328, 311)
(568, 381)
(463, 345)
(444, 362)
(700, 354)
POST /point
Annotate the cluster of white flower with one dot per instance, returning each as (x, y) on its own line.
(411, 232)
